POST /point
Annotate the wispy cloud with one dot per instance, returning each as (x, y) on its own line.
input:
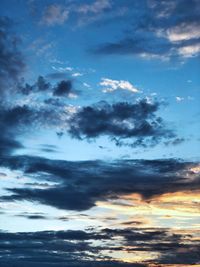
(12, 63)
(54, 15)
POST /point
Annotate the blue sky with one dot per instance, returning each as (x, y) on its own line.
(99, 116)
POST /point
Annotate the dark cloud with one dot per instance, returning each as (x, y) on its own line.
(122, 122)
(182, 255)
(18, 120)
(57, 76)
(80, 184)
(41, 85)
(33, 216)
(164, 29)
(11, 60)
(176, 141)
(48, 148)
(63, 88)
(10, 122)
(76, 248)
(137, 45)
(134, 125)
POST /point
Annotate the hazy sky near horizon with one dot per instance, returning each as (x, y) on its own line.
(99, 140)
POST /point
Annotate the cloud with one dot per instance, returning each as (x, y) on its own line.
(110, 85)
(183, 32)
(40, 85)
(48, 148)
(80, 185)
(188, 51)
(124, 123)
(57, 75)
(137, 45)
(15, 121)
(179, 99)
(92, 11)
(165, 30)
(63, 88)
(80, 13)
(175, 141)
(77, 74)
(128, 124)
(70, 71)
(12, 62)
(55, 15)
(136, 123)
(81, 249)
(33, 216)
(95, 7)
(41, 48)
(10, 122)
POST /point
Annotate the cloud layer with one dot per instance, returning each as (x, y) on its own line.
(164, 29)
(82, 184)
(12, 62)
(121, 122)
(79, 248)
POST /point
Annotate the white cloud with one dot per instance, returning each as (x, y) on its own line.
(183, 32)
(72, 95)
(86, 85)
(62, 69)
(73, 72)
(179, 99)
(77, 74)
(189, 50)
(110, 85)
(71, 109)
(180, 36)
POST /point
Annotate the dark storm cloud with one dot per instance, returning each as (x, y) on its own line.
(13, 122)
(11, 60)
(41, 85)
(81, 184)
(136, 123)
(17, 120)
(76, 248)
(126, 124)
(63, 88)
(155, 29)
(10, 120)
(184, 255)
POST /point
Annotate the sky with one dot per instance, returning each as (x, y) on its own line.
(99, 133)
